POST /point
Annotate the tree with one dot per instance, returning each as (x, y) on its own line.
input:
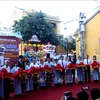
(35, 24)
(71, 43)
(68, 43)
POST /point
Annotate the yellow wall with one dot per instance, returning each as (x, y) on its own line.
(78, 45)
(91, 37)
(21, 48)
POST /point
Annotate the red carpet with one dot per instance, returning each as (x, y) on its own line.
(54, 93)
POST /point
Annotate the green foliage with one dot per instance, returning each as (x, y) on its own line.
(68, 43)
(35, 24)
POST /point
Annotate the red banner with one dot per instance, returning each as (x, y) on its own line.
(10, 45)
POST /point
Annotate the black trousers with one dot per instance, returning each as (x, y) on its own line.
(87, 74)
(6, 88)
(62, 74)
(48, 79)
(35, 81)
(23, 84)
(73, 73)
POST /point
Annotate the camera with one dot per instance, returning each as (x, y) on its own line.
(68, 93)
(85, 88)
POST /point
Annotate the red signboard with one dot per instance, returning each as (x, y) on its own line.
(11, 47)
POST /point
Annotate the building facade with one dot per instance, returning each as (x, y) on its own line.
(91, 36)
(19, 13)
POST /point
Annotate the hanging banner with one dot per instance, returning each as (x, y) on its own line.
(10, 47)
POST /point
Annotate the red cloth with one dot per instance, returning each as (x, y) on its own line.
(70, 66)
(41, 69)
(5, 74)
(46, 68)
(17, 73)
(20, 69)
(29, 71)
(80, 64)
(35, 70)
(3, 70)
(1, 74)
(58, 67)
(95, 64)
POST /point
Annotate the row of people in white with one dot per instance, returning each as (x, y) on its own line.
(29, 85)
(87, 70)
(80, 70)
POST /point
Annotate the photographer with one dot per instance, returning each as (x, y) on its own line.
(95, 94)
(68, 96)
(83, 95)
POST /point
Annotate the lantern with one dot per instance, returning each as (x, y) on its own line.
(29, 45)
(34, 45)
(38, 45)
(42, 45)
(25, 44)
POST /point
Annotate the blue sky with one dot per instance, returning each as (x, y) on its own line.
(66, 10)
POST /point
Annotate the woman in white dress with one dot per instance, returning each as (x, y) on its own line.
(80, 69)
(17, 80)
(57, 79)
(29, 80)
(68, 72)
(95, 66)
(41, 80)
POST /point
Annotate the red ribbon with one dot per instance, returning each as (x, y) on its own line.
(70, 66)
(58, 67)
(94, 64)
(46, 68)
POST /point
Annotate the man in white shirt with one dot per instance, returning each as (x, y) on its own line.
(62, 62)
(48, 74)
(87, 71)
(49, 63)
(35, 78)
(6, 81)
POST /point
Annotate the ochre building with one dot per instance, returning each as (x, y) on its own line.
(91, 37)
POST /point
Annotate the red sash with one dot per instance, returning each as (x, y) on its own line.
(58, 67)
(81, 64)
(1, 75)
(17, 73)
(95, 64)
(41, 69)
(46, 68)
(29, 71)
(35, 70)
(70, 66)
(5, 74)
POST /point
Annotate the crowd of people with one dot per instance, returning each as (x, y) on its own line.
(83, 94)
(57, 71)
